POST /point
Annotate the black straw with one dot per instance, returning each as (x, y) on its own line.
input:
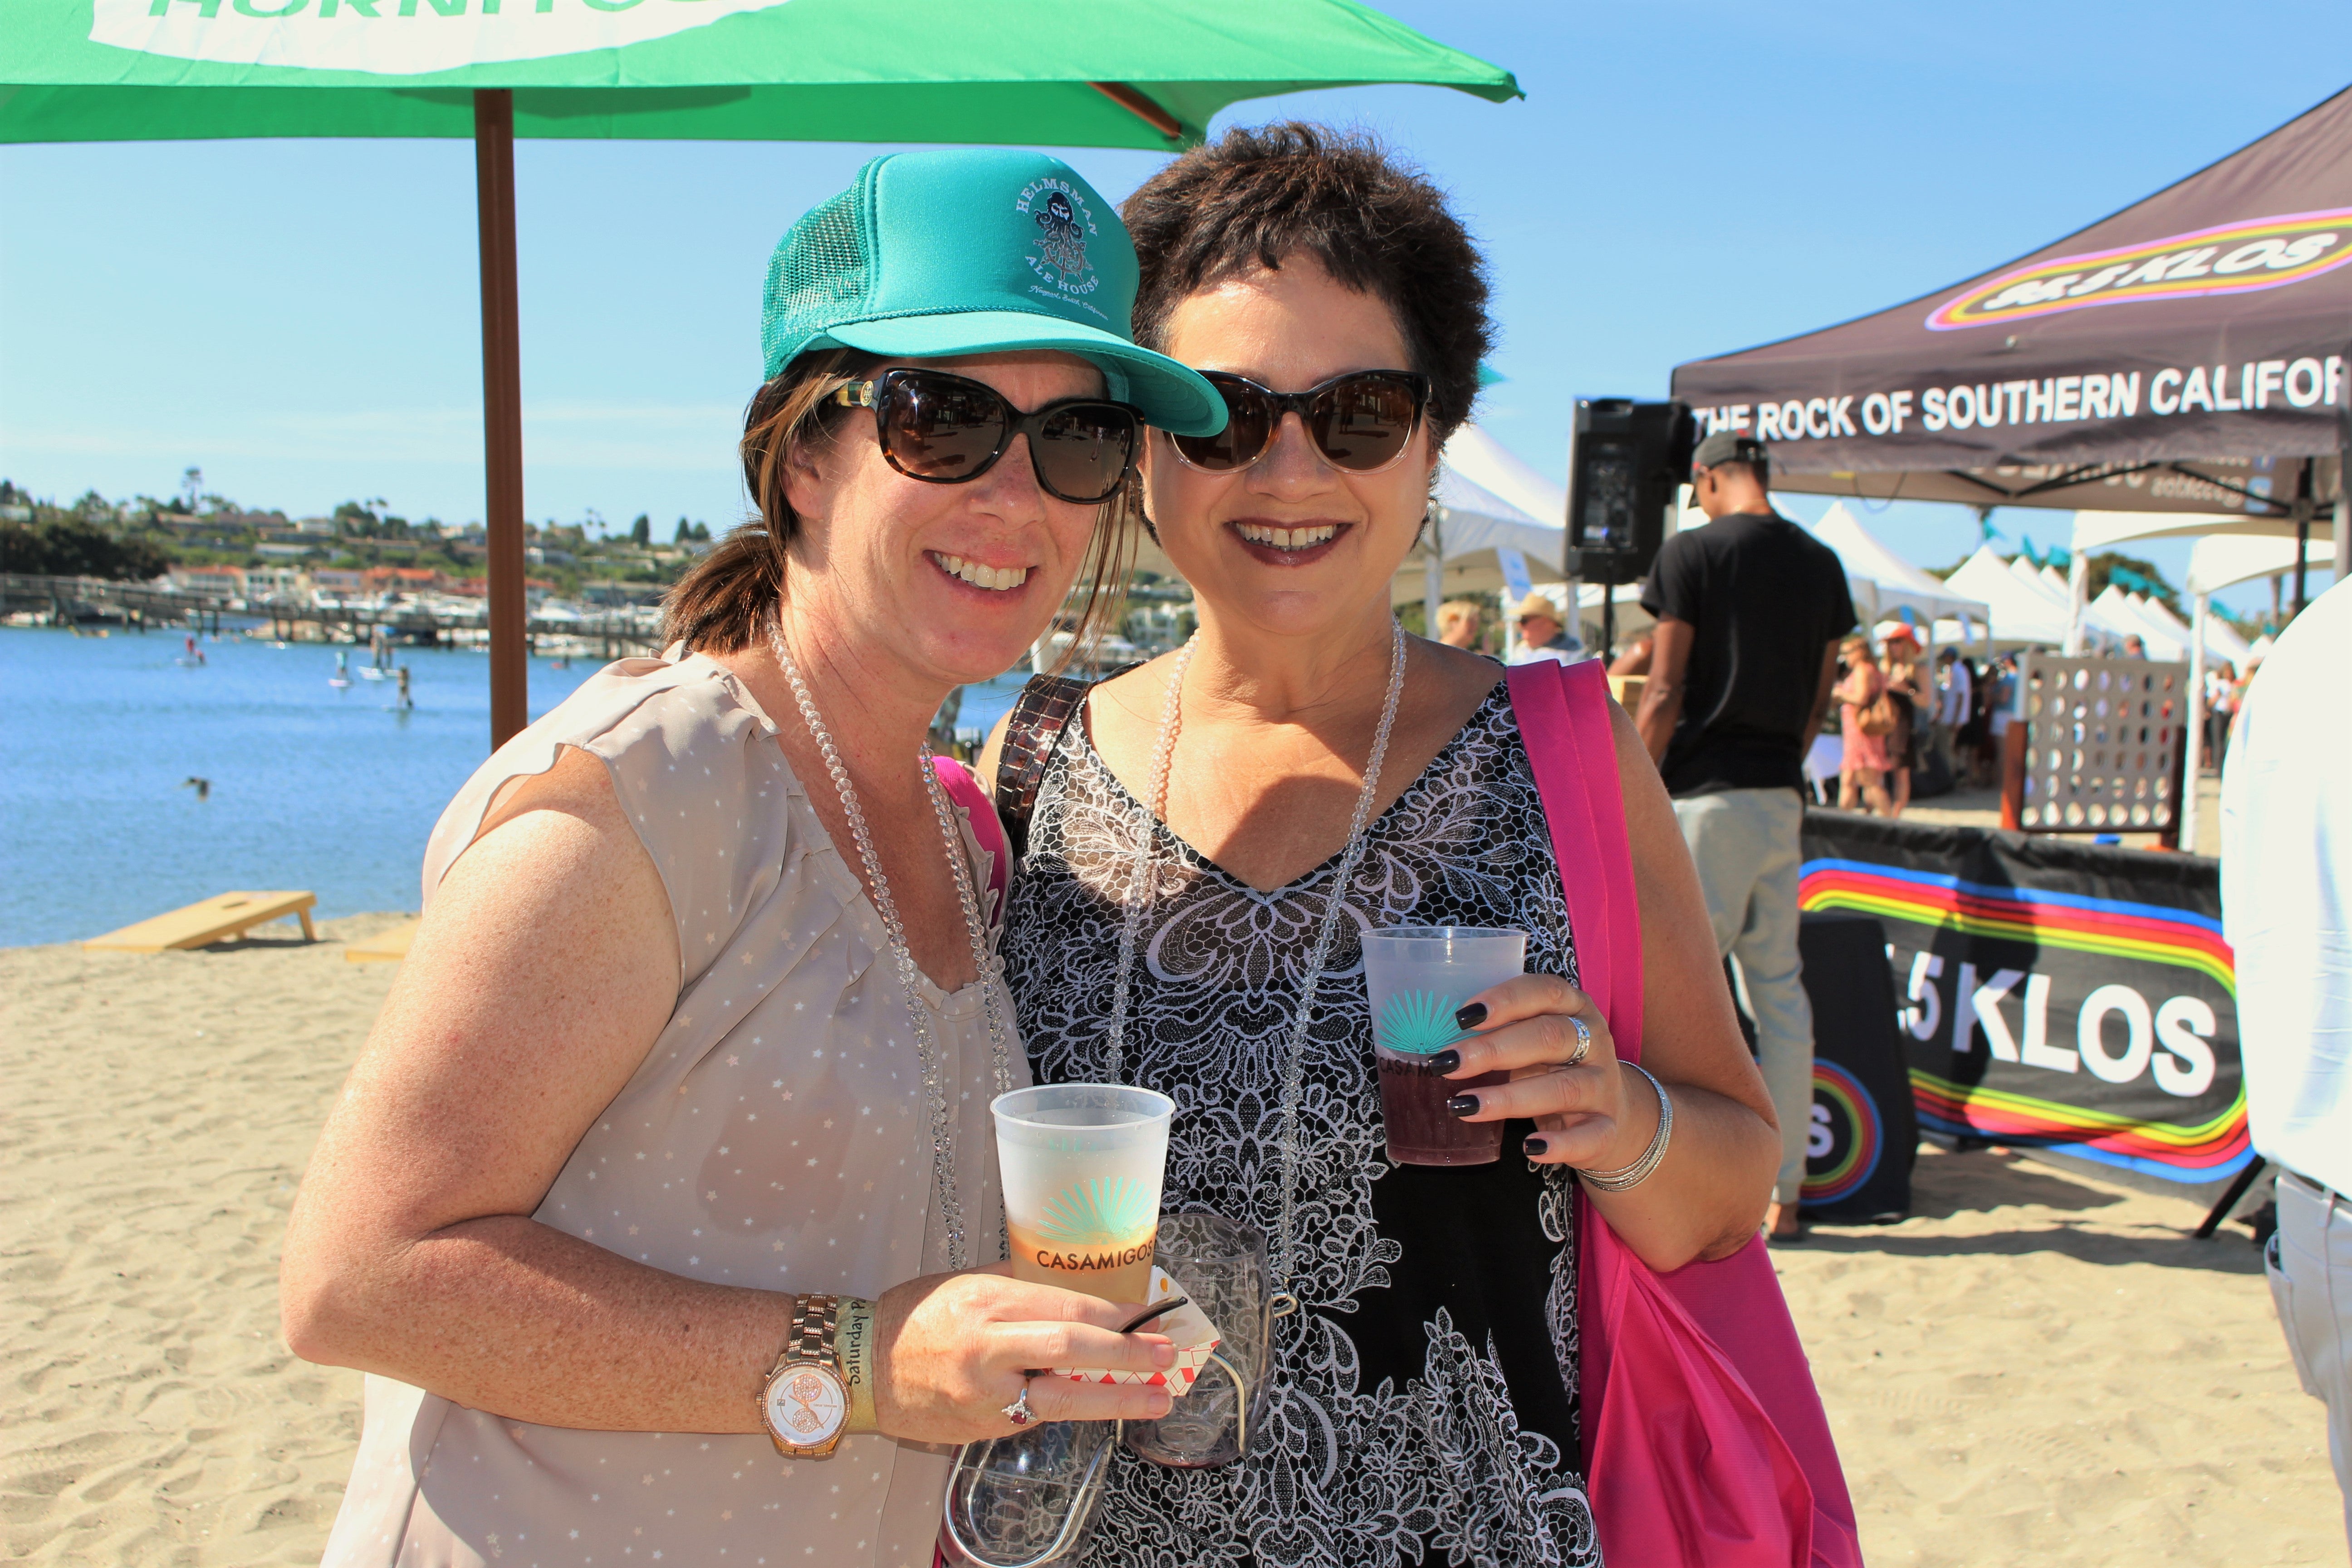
(1159, 1309)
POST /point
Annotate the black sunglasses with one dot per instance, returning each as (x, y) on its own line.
(1361, 422)
(949, 429)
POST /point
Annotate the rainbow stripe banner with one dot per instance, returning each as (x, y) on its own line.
(2054, 994)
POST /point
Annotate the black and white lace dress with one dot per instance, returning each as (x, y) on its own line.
(1424, 1404)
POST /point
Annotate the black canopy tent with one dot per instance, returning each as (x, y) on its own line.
(2185, 355)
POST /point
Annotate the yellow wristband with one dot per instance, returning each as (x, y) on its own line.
(855, 1346)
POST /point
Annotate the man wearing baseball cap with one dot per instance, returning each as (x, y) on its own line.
(1749, 612)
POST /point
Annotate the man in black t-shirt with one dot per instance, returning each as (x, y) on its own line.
(1749, 612)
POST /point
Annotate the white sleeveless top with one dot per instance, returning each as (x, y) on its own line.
(775, 1135)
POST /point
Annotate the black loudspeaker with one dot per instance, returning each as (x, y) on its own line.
(1864, 1135)
(1625, 463)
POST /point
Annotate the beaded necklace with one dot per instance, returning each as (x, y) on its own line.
(1149, 811)
(991, 966)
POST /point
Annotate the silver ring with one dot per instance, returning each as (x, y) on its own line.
(1018, 1411)
(1583, 1043)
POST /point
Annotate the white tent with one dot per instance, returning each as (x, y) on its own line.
(2054, 589)
(2102, 530)
(1882, 582)
(1493, 467)
(1468, 523)
(2220, 637)
(2019, 607)
(2119, 609)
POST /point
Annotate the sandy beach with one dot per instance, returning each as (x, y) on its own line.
(2036, 1367)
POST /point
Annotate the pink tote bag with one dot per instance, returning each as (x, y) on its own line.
(1704, 1438)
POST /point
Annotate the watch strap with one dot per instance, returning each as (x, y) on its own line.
(809, 1338)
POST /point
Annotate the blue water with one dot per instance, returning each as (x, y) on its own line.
(312, 787)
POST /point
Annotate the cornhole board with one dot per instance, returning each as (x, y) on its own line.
(384, 947)
(216, 918)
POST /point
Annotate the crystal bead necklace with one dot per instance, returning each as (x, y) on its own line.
(1150, 810)
(991, 966)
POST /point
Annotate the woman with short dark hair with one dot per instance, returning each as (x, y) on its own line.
(1210, 835)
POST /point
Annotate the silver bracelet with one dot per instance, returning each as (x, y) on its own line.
(1634, 1175)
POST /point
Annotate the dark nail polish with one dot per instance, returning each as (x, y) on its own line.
(1470, 1016)
(1444, 1062)
(1462, 1105)
(1536, 1146)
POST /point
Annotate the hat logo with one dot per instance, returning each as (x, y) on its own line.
(1058, 253)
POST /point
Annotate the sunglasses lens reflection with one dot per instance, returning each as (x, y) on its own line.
(1082, 451)
(941, 428)
(1249, 426)
(1364, 422)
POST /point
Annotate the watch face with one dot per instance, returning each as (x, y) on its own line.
(806, 1405)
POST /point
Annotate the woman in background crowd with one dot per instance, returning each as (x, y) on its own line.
(1906, 686)
(1459, 623)
(1865, 725)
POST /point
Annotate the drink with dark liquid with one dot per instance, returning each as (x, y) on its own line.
(1417, 976)
(1422, 1131)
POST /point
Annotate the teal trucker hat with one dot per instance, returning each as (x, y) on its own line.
(973, 250)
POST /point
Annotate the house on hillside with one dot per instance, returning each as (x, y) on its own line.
(228, 582)
(408, 580)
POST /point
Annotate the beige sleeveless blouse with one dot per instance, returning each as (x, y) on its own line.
(775, 1135)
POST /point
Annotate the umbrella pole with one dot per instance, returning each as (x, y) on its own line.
(494, 196)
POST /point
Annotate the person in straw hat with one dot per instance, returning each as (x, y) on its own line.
(1541, 635)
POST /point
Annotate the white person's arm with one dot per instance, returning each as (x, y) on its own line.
(542, 974)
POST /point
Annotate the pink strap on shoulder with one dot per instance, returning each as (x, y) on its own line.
(1564, 724)
(965, 791)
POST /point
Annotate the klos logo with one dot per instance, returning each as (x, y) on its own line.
(2235, 258)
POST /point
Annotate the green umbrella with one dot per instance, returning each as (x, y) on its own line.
(1065, 73)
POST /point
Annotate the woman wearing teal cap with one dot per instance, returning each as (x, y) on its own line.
(660, 1175)
(1423, 1401)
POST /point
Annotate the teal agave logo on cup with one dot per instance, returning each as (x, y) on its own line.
(1417, 1024)
(1101, 1212)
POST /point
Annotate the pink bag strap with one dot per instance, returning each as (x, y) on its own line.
(1563, 715)
(964, 791)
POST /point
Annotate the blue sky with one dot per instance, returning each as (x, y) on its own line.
(1684, 178)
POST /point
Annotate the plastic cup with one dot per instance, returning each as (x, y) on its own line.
(1082, 1164)
(1418, 977)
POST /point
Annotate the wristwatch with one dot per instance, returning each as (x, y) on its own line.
(806, 1401)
